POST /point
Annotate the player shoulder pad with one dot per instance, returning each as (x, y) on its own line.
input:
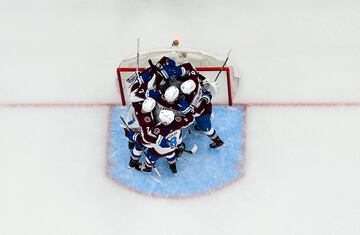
(156, 130)
(147, 119)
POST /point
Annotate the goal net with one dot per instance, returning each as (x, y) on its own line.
(207, 64)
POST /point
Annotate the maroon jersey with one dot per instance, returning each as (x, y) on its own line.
(191, 74)
(203, 109)
(142, 122)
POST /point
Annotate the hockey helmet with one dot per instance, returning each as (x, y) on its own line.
(171, 94)
(148, 105)
(188, 86)
(166, 116)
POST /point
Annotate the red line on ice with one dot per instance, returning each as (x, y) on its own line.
(248, 104)
(242, 165)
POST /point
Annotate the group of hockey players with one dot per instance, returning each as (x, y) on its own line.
(166, 98)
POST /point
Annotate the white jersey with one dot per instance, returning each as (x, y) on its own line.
(174, 138)
(196, 101)
(132, 121)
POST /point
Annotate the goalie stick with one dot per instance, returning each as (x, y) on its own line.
(136, 75)
(222, 67)
(137, 57)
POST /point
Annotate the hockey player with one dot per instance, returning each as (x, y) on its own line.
(137, 98)
(152, 76)
(168, 134)
(202, 107)
(142, 121)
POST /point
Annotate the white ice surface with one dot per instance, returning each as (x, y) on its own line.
(302, 163)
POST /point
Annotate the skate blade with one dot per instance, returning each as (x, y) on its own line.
(222, 146)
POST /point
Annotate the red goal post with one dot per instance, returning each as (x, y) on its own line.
(205, 63)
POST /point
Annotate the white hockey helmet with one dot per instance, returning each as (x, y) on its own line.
(171, 94)
(188, 86)
(212, 87)
(166, 116)
(148, 105)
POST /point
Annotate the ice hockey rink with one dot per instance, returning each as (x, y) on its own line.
(299, 70)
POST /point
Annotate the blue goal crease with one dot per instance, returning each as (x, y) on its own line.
(206, 170)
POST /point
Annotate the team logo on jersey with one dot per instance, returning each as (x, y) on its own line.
(178, 119)
(147, 119)
(156, 131)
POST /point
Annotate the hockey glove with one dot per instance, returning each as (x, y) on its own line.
(145, 77)
(171, 72)
(152, 93)
(131, 135)
(185, 108)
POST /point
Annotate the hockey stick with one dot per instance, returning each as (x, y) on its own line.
(156, 69)
(137, 57)
(126, 125)
(192, 150)
(222, 67)
(135, 76)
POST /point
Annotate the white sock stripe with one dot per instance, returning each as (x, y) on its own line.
(135, 157)
(136, 152)
(214, 136)
(147, 161)
(148, 165)
(172, 162)
(170, 156)
(210, 132)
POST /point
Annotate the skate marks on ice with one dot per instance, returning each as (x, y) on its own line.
(205, 171)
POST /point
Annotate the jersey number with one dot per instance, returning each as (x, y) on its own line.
(173, 142)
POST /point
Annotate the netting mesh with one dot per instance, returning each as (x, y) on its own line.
(197, 58)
